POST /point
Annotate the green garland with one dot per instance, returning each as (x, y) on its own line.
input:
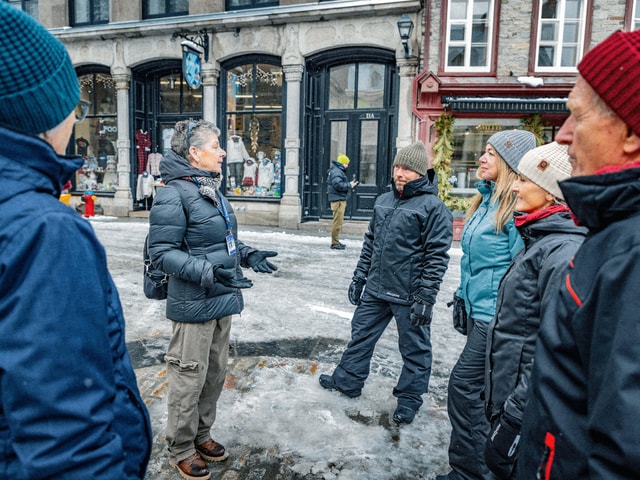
(535, 125)
(443, 153)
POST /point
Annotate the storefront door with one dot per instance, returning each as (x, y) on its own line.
(359, 135)
(350, 108)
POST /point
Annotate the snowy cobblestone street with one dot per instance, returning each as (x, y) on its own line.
(273, 416)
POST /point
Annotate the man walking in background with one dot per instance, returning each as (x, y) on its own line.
(338, 187)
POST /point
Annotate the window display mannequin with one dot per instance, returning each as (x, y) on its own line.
(250, 173)
(236, 155)
(265, 171)
(143, 146)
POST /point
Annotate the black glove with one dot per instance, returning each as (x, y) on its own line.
(227, 277)
(258, 261)
(421, 313)
(355, 290)
(460, 322)
(502, 447)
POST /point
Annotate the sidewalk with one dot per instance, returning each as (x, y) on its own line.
(273, 417)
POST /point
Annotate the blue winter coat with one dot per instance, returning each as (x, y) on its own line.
(187, 237)
(69, 404)
(486, 255)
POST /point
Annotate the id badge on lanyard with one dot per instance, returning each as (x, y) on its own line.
(231, 244)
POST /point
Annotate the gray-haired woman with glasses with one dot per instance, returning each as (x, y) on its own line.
(193, 238)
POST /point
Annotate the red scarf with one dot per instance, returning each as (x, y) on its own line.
(525, 219)
(617, 168)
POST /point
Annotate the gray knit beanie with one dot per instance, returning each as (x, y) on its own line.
(414, 157)
(38, 85)
(546, 166)
(511, 145)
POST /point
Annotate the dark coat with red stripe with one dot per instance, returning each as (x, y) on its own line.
(584, 400)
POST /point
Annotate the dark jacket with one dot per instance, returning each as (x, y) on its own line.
(338, 186)
(187, 236)
(69, 403)
(405, 250)
(585, 385)
(532, 280)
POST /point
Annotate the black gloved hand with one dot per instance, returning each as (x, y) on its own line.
(355, 290)
(227, 277)
(258, 261)
(421, 313)
(460, 321)
(502, 447)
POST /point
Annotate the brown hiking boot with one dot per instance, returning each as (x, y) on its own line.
(212, 451)
(192, 468)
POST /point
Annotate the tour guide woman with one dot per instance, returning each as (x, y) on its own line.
(192, 238)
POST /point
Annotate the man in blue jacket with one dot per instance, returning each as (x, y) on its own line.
(69, 403)
(404, 257)
(582, 419)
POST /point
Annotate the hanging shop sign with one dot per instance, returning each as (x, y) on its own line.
(191, 64)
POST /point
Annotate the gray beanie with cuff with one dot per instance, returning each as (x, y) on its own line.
(414, 157)
(511, 145)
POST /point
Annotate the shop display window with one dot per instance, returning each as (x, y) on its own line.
(95, 137)
(470, 138)
(254, 131)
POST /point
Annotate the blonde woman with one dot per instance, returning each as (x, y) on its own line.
(489, 243)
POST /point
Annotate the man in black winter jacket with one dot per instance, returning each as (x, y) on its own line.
(582, 419)
(403, 259)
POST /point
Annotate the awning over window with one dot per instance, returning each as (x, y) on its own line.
(523, 105)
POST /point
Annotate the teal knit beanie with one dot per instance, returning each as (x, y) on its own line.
(38, 85)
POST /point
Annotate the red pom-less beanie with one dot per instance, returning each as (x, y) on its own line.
(612, 69)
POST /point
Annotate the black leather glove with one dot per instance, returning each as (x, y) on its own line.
(227, 277)
(421, 313)
(355, 290)
(258, 261)
(460, 321)
(502, 447)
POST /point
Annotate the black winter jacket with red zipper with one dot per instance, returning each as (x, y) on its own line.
(582, 419)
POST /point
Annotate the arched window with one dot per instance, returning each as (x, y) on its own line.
(253, 116)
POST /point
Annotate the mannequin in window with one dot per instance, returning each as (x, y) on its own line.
(265, 171)
(143, 146)
(236, 155)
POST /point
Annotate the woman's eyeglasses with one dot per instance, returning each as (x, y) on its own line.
(81, 110)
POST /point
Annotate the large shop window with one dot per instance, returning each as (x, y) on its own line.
(164, 8)
(95, 137)
(469, 35)
(469, 140)
(89, 12)
(254, 130)
(561, 30)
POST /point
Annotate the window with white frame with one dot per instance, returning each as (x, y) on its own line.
(635, 16)
(561, 30)
(469, 35)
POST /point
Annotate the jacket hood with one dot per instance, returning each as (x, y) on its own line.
(174, 166)
(30, 163)
(339, 165)
(428, 184)
(598, 200)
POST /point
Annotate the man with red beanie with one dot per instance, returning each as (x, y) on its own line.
(582, 418)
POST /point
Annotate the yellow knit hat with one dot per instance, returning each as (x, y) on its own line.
(343, 159)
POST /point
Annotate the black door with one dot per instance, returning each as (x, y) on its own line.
(350, 108)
